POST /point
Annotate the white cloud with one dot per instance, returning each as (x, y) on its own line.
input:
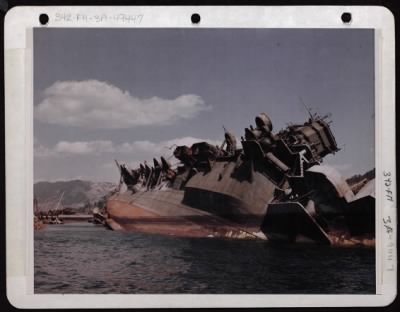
(41, 150)
(138, 149)
(134, 153)
(84, 147)
(161, 147)
(65, 148)
(96, 104)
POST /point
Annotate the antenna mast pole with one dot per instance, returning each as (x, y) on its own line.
(59, 201)
(307, 109)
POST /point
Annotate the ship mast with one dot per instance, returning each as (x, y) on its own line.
(59, 201)
(312, 117)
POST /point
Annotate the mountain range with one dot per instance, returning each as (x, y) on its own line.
(79, 193)
(73, 194)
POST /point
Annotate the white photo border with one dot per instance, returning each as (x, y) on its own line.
(18, 54)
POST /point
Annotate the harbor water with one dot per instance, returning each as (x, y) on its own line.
(83, 258)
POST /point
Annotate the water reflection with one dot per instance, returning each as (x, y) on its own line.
(84, 258)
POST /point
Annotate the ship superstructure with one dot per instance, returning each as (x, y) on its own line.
(273, 187)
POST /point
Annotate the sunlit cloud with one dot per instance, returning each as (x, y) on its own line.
(97, 104)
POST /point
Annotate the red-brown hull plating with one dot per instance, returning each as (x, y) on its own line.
(273, 187)
(130, 212)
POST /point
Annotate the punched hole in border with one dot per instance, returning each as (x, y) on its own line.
(346, 17)
(43, 19)
(195, 18)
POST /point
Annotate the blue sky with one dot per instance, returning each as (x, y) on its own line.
(129, 94)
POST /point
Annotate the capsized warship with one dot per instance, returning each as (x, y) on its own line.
(274, 187)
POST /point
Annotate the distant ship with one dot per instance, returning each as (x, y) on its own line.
(51, 216)
(273, 187)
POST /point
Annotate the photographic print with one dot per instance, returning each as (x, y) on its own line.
(204, 161)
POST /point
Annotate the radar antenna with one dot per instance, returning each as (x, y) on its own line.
(312, 117)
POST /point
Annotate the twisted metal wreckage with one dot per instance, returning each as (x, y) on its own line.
(273, 188)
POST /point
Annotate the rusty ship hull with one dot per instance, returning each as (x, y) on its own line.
(162, 212)
(211, 205)
(269, 189)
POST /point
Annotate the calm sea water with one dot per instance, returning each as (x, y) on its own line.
(87, 258)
